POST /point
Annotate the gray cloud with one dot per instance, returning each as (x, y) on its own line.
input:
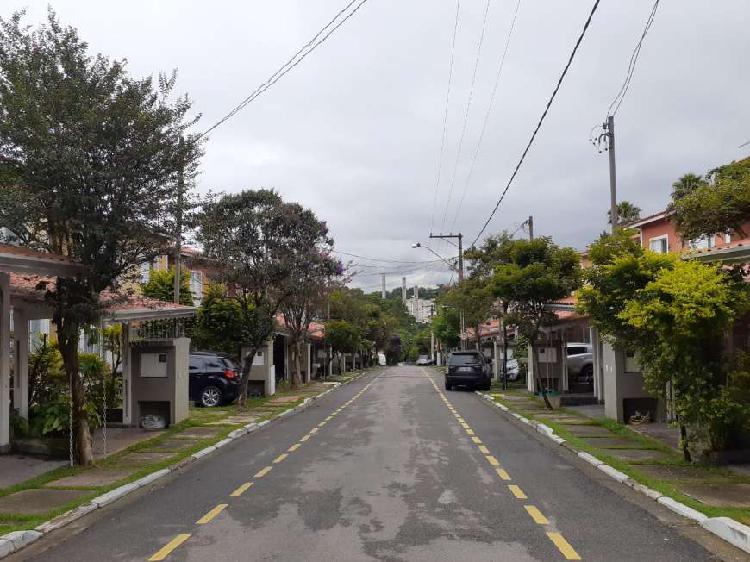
(354, 131)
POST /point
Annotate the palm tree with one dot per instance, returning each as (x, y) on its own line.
(686, 185)
(626, 213)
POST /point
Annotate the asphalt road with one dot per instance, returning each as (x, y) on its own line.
(390, 467)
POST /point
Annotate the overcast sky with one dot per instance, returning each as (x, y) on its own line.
(354, 131)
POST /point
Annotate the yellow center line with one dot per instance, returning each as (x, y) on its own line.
(502, 474)
(483, 450)
(293, 448)
(241, 490)
(517, 492)
(536, 515)
(313, 431)
(563, 546)
(469, 432)
(305, 438)
(321, 424)
(492, 460)
(167, 549)
(211, 514)
(465, 425)
(263, 471)
(476, 440)
(280, 458)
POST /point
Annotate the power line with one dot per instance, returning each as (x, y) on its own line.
(445, 115)
(541, 119)
(318, 39)
(617, 101)
(466, 113)
(382, 260)
(501, 64)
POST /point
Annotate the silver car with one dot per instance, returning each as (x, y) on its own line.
(580, 360)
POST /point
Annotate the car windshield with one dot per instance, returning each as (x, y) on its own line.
(465, 359)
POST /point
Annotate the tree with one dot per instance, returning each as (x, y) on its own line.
(307, 285)
(446, 327)
(343, 337)
(676, 318)
(218, 325)
(96, 154)
(718, 203)
(257, 238)
(686, 185)
(627, 212)
(160, 286)
(474, 298)
(537, 273)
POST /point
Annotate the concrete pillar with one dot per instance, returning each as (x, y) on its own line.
(21, 378)
(531, 375)
(330, 361)
(4, 362)
(496, 361)
(269, 386)
(308, 364)
(564, 382)
(127, 379)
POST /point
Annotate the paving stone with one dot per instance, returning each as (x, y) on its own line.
(142, 459)
(37, 502)
(718, 494)
(567, 420)
(91, 478)
(637, 454)
(172, 445)
(284, 399)
(589, 431)
(197, 433)
(612, 442)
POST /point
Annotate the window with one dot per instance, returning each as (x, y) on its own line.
(465, 359)
(703, 243)
(660, 244)
(577, 350)
(145, 272)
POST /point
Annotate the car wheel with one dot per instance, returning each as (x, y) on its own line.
(211, 396)
(448, 386)
(587, 375)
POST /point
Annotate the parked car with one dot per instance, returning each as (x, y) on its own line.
(512, 367)
(580, 360)
(468, 368)
(214, 379)
(424, 360)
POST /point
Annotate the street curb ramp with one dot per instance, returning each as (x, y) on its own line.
(726, 528)
(11, 543)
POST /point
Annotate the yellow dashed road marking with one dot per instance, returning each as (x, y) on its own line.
(321, 424)
(241, 490)
(502, 474)
(483, 449)
(167, 549)
(293, 448)
(469, 432)
(211, 514)
(280, 458)
(313, 431)
(476, 440)
(305, 438)
(465, 425)
(262, 472)
(492, 460)
(563, 546)
(517, 492)
(536, 515)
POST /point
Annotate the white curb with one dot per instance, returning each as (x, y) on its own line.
(613, 473)
(591, 459)
(730, 530)
(645, 490)
(682, 509)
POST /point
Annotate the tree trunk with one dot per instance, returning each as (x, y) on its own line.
(685, 446)
(247, 365)
(505, 356)
(68, 334)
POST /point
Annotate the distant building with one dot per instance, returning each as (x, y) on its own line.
(421, 309)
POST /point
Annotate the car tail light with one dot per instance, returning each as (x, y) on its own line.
(229, 374)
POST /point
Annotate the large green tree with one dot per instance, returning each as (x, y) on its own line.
(96, 154)
(537, 273)
(258, 239)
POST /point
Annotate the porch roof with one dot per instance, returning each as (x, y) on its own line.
(18, 259)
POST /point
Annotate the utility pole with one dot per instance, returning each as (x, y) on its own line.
(530, 224)
(382, 291)
(460, 273)
(610, 131)
(178, 241)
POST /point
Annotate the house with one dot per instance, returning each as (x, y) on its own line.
(200, 270)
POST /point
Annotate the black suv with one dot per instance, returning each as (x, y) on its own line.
(468, 368)
(214, 380)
